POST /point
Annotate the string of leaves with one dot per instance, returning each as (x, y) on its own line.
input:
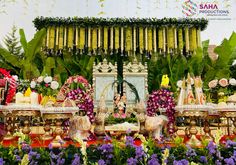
(43, 22)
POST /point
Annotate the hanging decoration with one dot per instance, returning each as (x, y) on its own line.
(117, 38)
(160, 39)
(70, 37)
(141, 39)
(105, 39)
(61, 33)
(128, 35)
(180, 40)
(128, 40)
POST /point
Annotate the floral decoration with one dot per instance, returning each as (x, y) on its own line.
(162, 99)
(45, 85)
(220, 89)
(12, 85)
(78, 89)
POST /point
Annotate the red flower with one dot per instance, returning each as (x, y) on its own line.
(46, 85)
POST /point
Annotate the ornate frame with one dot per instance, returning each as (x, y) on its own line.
(135, 71)
(104, 71)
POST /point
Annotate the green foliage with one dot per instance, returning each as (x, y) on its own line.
(12, 42)
(221, 67)
(43, 22)
(26, 65)
(113, 120)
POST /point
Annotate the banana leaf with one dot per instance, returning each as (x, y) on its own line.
(7, 56)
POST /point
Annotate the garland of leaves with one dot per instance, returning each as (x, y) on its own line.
(162, 99)
(12, 85)
(42, 22)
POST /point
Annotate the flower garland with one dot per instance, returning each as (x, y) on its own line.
(83, 101)
(162, 99)
(78, 89)
(12, 85)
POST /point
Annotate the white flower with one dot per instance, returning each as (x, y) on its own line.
(223, 82)
(212, 83)
(54, 85)
(47, 79)
(232, 81)
(76, 80)
(192, 81)
(179, 83)
(15, 77)
(32, 84)
(40, 79)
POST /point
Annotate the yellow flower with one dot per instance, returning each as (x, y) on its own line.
(25, 160)
(165, 155)
(217, 136)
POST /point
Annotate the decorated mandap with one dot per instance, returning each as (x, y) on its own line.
(118, 91)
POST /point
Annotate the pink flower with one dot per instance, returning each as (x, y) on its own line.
(69, 80)
(223, 82)
(213, 83)
(116, 115)
(123, 116)
(46, 85)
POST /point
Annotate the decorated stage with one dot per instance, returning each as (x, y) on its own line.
(118, 91)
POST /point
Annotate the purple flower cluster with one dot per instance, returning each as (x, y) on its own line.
(230, 144)
(162, 99)
(139, 153)
(229, 161)
(181, 162)
(132, 161)
(1, 161)
(76, 160)
(129, 141)
(84, 101)
(57, 158)
(101, 162)
(26, 149)
(107, 151)
(33, 157)
(203, 159)
(211, 148)
(153, 160)
(191, 152)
